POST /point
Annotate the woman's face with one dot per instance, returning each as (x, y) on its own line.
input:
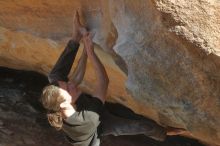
(69, 90)
(67, 108)
(64, 91)
(67, 97)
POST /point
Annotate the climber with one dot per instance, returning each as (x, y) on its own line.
(77, 113)
(69, 109)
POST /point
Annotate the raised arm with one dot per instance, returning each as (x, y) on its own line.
(80, 69)
(101, 75)
(63, 65)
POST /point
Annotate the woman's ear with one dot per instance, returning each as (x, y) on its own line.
(66, 109)
(63, 105)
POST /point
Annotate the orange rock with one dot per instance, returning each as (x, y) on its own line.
(168, 51)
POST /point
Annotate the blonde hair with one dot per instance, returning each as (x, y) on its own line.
(51, 100)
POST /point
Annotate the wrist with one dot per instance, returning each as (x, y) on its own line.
(90, 51)
(72, 43)
(84, 52)
(76, 40)
(91, 54)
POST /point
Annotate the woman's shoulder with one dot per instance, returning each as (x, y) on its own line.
(87, 102)
(88, 96)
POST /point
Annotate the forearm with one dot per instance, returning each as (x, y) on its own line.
(80, 69)
(101, 87)
(63, 65)
(102, 77)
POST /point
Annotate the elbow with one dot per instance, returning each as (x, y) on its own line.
(107, 81)
(50, 78)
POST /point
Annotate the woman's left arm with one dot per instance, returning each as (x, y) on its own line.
(80, 69)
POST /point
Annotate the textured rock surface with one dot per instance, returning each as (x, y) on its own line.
(171, 50)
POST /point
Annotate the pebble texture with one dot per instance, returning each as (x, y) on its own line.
(168, 49)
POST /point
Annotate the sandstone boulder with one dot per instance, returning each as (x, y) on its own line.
(167, 53)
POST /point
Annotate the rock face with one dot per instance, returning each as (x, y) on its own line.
(168, 49)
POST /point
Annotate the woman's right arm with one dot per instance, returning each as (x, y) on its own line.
(101, 75)
(80, 70)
